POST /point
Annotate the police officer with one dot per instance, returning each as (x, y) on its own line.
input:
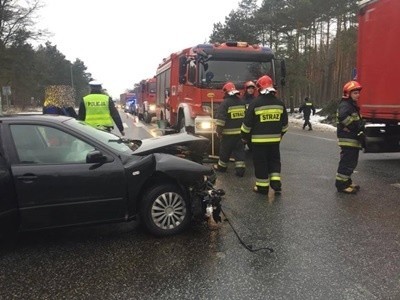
(98, 109)
(306, 108)
(229, 118)
(350, 133)
(265, 123)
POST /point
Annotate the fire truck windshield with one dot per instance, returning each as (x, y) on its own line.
(152, 87)
(219, 72)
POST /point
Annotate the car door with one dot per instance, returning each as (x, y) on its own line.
(55, 186)
(8, 204)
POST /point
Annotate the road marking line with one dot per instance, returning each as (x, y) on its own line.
(397, 185)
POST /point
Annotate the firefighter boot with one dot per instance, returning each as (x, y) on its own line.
(355, 186)
(348, 190)
(239, 172)
(218, 168)
(261, 190)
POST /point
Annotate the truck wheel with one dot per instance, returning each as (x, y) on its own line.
(165, 210)
(183, 127)
(147, 117)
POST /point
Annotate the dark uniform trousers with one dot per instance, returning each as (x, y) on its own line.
(267, 165)
(347, 164)
(232, 145)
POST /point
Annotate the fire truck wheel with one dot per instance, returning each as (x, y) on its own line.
(182, 126)
(147, 117)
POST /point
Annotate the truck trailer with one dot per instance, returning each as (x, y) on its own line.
(378, 66)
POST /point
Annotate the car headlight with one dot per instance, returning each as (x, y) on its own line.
(204, 125)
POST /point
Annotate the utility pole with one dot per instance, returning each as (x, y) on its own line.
(72, 77)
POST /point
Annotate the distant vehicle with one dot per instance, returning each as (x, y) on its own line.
(146, 103)
(378, 67)
(132, 108)
(56, 171)
(126, 99)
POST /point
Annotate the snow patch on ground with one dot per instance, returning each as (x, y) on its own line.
(296, 120)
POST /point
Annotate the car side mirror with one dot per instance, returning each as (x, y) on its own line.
(95, 156)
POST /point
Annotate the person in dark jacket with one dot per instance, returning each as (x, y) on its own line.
(306, 108)
(248, 97)
(265, 123)
(350, 131)
(249, 92)
(98, 109)
(229, 118)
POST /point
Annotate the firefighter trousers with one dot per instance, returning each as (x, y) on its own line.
(267, 165)
(232, 145)
(307, 123)
(347, 164)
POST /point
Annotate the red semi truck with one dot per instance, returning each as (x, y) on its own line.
(189, 82)
(378, 71)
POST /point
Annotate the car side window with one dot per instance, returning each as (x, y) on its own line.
(37, 144)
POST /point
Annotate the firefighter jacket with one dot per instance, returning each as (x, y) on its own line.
(230, 116)
(266, 120)
(247, 98)
(306, 108)
(350, 125)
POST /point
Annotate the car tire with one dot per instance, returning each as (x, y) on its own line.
(165, 210)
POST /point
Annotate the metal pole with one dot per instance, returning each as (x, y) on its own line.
(212, 126)
(72, 78)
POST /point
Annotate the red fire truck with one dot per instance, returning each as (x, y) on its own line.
(189, 82)
(147, 99)
(378, 66)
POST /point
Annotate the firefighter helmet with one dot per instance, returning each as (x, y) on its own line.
(230, 89)
(249, 84)
(265, 85)
(349, 87)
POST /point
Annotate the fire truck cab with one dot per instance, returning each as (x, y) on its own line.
(189, 82)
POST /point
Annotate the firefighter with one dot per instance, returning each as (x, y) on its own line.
(249, 93)
(350, 133)
(229, 118)
(306, 108)
(265, 123)
(98, 109)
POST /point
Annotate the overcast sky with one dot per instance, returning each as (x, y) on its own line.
(122, 41)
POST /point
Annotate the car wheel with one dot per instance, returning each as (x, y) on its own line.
(165, 210)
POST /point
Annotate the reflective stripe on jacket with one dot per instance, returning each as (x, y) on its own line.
(349, 124)
(266, 120)
(230, 116)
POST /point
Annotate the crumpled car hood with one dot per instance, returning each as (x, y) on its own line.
(166, 144)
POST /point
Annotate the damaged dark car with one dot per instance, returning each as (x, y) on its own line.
(56, 171)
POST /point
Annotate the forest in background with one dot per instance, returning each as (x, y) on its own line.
(317, 39)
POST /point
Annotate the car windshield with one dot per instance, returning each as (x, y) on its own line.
(104, 137)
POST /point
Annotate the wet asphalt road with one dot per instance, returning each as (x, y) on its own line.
(326, 245)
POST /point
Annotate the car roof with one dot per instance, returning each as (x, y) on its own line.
(34, 117)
